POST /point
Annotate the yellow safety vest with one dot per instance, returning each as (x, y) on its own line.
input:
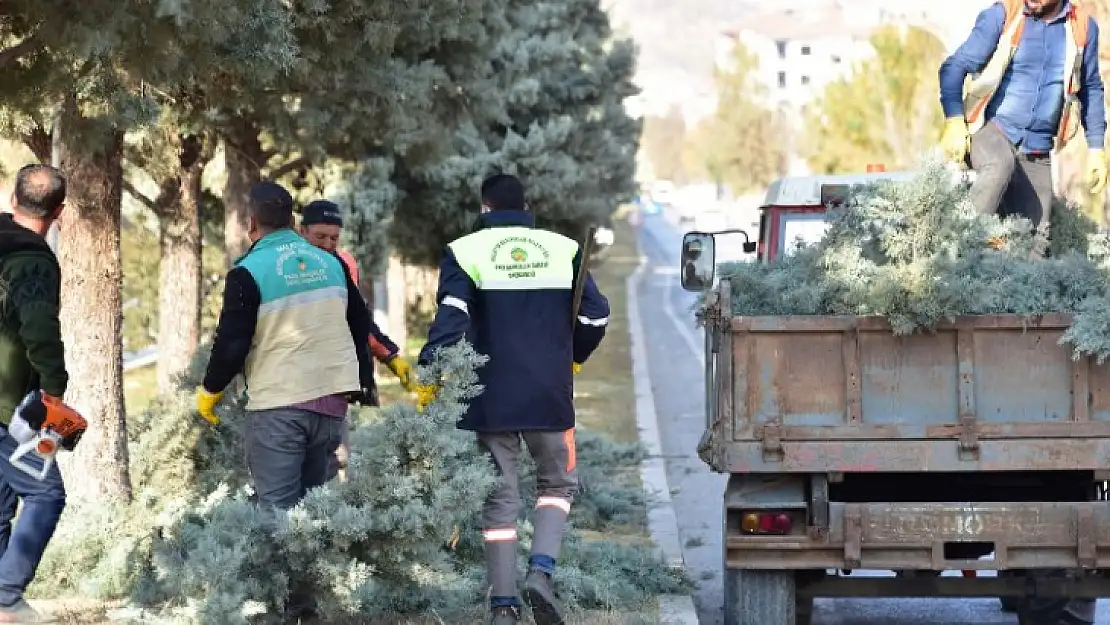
(516, 258)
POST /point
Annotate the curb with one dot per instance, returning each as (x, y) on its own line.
(662, 522)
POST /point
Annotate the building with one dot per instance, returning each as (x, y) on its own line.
(799, 51)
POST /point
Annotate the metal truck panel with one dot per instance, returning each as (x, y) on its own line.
(912, 536)
(823, 393)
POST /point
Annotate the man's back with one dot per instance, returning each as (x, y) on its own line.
(30, 336)
(514, 283)
(302, 347)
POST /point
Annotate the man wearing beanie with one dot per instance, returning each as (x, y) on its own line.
(321, 225)
(508, 288)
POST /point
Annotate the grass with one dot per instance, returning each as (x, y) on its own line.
(139, 388)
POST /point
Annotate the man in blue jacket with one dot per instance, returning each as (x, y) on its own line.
(1035, 75)
(508, 289)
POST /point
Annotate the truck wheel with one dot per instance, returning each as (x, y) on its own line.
(1048, 612)
(760, 598)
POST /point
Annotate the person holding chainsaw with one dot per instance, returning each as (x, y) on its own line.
(1035, 76)
(321, 225)
(293, 323)
(32, 364)
(510, 289)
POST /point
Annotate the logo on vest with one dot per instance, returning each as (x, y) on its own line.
(518, 265)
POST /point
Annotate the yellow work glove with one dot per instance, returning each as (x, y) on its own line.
(955, 141)
(425, 394)
(403, 370)
(1096, 171)
(575, 368)
(206, 405)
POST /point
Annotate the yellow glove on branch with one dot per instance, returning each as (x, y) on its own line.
(955, 141)
(206, 405)
(425, 394)
(1096, 171)
(575, 368)
(403, 370)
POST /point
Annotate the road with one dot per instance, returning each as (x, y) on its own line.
(675, 355)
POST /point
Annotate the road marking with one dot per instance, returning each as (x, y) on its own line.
(661, 517)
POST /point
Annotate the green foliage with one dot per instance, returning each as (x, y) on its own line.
(553, 87)
(192, 548)
(885, 111)
(741, 145)
(917, 253)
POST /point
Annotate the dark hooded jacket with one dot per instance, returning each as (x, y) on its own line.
(31, 352)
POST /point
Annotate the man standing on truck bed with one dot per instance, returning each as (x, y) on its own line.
(1035, 76)
(508, 288)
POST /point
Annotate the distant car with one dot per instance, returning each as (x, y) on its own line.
(604, 238)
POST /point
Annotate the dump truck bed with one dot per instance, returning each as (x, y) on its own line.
(817, 394)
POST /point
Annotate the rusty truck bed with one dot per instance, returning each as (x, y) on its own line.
(844, 394)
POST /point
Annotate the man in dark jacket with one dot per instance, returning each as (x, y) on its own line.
(31, 358)
(508, 289)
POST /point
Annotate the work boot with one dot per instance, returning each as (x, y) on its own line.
(21, 612)
(505, 615)
(539, 593)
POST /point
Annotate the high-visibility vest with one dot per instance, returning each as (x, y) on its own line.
(377, 350)
(352, 266)
(982, 87)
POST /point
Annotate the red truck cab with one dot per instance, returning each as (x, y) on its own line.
(794, 208)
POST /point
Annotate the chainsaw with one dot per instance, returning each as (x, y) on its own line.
(41, 425)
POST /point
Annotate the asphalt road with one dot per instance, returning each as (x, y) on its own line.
(675, 354)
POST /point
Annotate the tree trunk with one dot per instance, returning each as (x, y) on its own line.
(92, 315)
(180, 274)
(244, 158)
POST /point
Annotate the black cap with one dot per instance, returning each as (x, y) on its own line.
(321, 212)
(503, 192)
(271, 204)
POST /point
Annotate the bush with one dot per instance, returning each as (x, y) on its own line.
(192, 548)
(917, 253)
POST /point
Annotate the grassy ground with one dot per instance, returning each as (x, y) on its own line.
(604, 399)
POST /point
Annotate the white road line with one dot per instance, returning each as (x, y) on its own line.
(661, 518)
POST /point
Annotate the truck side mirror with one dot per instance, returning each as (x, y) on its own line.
(698, 261)
(749, 247)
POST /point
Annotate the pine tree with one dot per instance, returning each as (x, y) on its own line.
(96, 71)
(561, 79)
(917, 253)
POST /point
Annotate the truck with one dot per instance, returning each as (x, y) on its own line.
(980, 446)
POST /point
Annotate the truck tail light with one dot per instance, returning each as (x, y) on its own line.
(776, 523)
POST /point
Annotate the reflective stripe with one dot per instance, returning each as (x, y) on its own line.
(302, 298)
(553, 502)
(499, 535)
(451, 300)
(604, 321)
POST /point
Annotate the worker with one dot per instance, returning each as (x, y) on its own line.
(321, 225)
(294, 324)
(507, 288)
(34, 359)
(1035, 76)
